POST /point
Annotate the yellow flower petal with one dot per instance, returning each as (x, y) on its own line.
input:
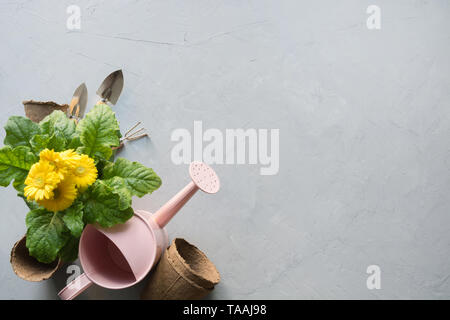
(41, 181)
(64, 195)
(55, 159)
(70, 157)
(84, 173)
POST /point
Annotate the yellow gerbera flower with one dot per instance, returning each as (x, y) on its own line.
(54, 158)
(84, 172)
(70, 157)
(41, 181)
(63, 196)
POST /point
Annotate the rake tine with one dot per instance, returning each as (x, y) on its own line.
(132, 128)
(134, 133)
(131, 136)
(138, 137)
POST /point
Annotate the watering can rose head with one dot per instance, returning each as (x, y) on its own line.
(65, 173)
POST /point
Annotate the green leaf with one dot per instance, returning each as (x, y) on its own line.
(119, 187)
(100, 153)
(39, 142)
(102, 206)
(100, 164)
(138, 178)
(19, 185)
(19, 131)
(59, 133)
(69, 252)
(73, 218)
(56, 142)
(15, 164)
(46, 234)
(74, 143)
(58, 122)
(98, 132)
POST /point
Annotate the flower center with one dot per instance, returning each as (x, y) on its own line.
(39, 182)
(56, 194)
(80, 170)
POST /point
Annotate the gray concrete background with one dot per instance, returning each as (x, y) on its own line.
(364, 133)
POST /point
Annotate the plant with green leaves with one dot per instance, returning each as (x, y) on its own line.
(65, 173)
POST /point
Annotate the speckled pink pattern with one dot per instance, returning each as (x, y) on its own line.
(204, 177)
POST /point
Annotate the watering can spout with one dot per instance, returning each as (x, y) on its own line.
(167, 211)
(203, 178)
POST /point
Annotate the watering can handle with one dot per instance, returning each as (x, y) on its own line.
(75, 287)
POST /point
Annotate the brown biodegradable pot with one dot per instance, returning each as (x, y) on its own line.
(27, 267)
(183, 273)
(37, 110)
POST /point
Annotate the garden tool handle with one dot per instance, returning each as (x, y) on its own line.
(74, 115)
(167, 211)
(75, 287)
(73, 104)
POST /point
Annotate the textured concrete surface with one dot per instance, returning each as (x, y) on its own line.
(364, 133)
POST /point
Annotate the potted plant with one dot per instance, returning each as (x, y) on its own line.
(66, 175)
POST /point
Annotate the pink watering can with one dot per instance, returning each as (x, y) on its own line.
(121, 256)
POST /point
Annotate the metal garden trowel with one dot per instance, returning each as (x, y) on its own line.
(109, 92)
(110, 89)
(78, 103)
